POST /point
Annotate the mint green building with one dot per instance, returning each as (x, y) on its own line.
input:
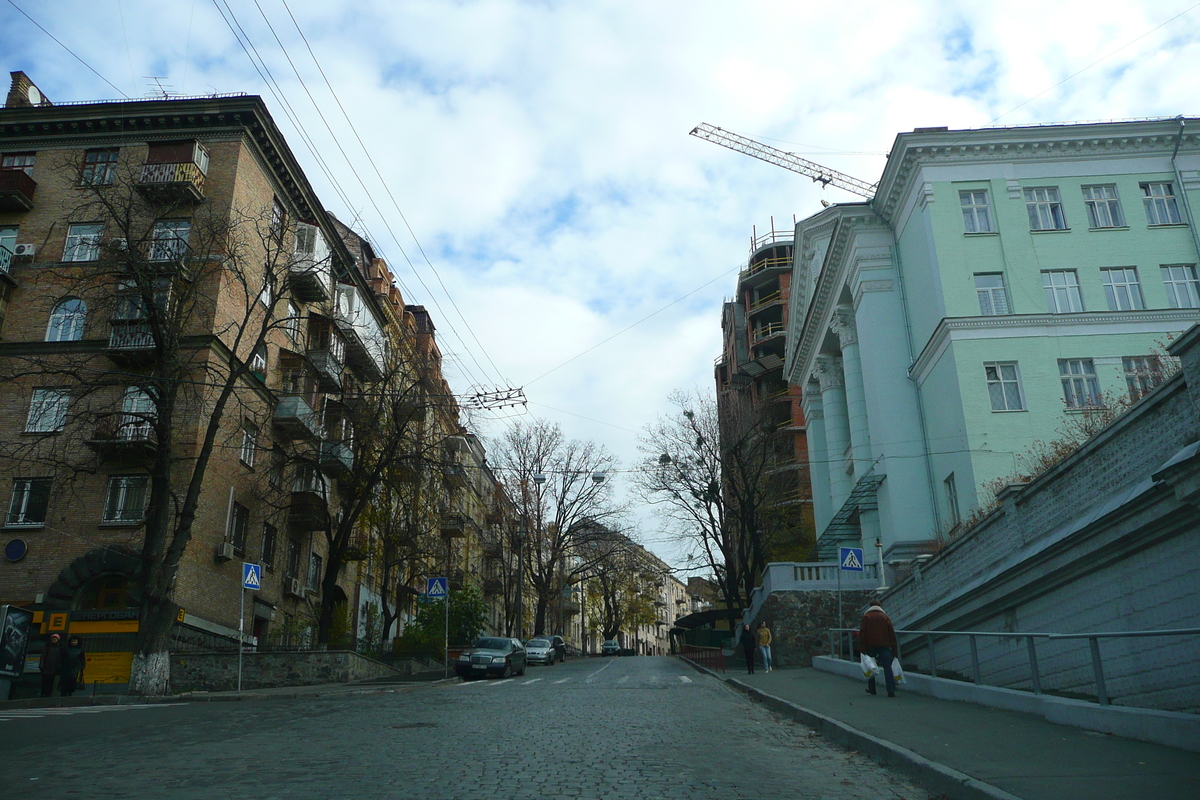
(1001, 280)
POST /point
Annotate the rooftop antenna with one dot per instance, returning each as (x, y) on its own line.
(158, 89)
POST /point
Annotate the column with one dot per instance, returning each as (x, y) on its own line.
(837, 426)
(818, 456)
(856, 399)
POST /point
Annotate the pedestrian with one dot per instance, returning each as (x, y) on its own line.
(877, 638)
(50, 663)
(73, 662)
(748, 643)
(763, 637)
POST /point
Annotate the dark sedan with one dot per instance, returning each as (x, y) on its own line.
(491, 655)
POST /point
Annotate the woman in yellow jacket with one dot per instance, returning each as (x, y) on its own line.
(763, 637)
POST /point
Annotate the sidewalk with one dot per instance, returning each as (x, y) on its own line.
(1019, 754)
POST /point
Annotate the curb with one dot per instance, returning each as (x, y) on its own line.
(937, 778)
(123, 699)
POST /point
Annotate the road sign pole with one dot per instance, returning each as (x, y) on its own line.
(841, 616)
(446, 674)
(241, 635)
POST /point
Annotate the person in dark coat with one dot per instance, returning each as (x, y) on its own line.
(50, 663)
(877, 638)
(747, 642)
(73, 662)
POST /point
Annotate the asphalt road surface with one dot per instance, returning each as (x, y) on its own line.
(598, 728)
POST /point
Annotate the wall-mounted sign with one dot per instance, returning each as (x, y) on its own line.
(15, 623)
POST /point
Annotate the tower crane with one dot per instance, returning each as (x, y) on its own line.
(822, 175)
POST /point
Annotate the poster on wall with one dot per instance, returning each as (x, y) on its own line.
(15, 623)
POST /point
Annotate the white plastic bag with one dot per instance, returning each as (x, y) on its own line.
(869, 667)
(897, 673)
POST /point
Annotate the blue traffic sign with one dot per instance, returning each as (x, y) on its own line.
(251, 576)
(435, 588)
(851, 559)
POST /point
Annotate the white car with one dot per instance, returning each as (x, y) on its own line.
(540, 651)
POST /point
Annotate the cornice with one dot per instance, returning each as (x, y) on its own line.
(1086, 141)
(1030, 325)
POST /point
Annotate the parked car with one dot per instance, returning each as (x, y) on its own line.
(560, 646)
(492, 655)
(610, 648)
(540, 651)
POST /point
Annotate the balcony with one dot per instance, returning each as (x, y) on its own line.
(130, 342)
(337, 459)
(181, 182)
(365, 342)
(453, 526)
(329, 369)
(492, 548)
(358, 548)
(307, 511)
(492, 586)
(768, 331)
(294, 417)
(455, 475)
(16, 190)
(116, 438)
(456, 579)
(309, 279)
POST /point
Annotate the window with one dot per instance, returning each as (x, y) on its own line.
(21, 161)
(1122, 290)
(8, 243)
(952, 499)
(1062, 291)
(1161, 205)
(66, 320)
(239, 517)
(278, 218)
(993, 300)
(266, 295)
(99, 167)
(292, 323)
(83, 242)
(258, 360)
(249, 444)
(168, 240)
(268, 546)
(1142, 373)
(1004, 386)
(1081, 387)
(314, 570)
(138, 414)
(1045, 209)
(30, 497)
(1103, 207)
(47, 410)
(293, 562)
(976, 216)
(275, 474)
(126, 501)
(1183, 290)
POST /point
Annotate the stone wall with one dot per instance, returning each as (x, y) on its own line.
(217, 672)
(800, 622)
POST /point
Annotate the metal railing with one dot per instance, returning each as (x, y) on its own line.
(710, 657)
(929, 640)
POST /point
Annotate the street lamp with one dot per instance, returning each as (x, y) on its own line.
(521, 581)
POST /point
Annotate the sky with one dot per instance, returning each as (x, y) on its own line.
(526, 169)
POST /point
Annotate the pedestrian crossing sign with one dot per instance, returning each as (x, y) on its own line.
(851, 559)
(251, 576)
(435, 588)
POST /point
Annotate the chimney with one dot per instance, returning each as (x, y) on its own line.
(23, 94)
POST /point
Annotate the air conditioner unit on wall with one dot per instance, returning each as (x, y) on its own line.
(224, 552)
(295, 587)
(24, 250)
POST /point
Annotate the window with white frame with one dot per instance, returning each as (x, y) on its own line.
(30, 498)
(83, 241)
(278, 218)
(1062, 291)
(1004, 386)
(993, 297)
(1162, 208)
(977, 215)
(1142, 373)
(1081, 387)
(8, 244)
(138, 414)
(292, 323)
(21, 161)
(99, 167)
(249, 444)
(1183, 289)
(47, 410)
(239, 519)
(952, 499)
(126, 499)
(266, 295)
(258, 360)
(314, 570)
(1045, 209)
(1103, 207)
(1121, 289)
(168, 239)
(66, 320)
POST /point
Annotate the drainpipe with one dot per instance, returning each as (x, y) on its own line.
(1187, 204)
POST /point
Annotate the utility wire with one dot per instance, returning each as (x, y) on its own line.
(64, 47)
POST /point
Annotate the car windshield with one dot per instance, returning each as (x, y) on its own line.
(537, 643)
(613, 642)
(492, 644)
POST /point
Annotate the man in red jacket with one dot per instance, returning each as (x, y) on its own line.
(877, 638)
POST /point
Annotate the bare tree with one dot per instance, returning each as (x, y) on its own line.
(619, 584)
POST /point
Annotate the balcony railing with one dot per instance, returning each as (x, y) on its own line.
(769, 330)
(124, 437)
(295, 417)
(16, 190)
(180, 182)
(772, 298)
(307, 511)
(455, 474)
(337, 459)
(6, 257)
(309, 279)
(130, 341)
(329, 369)
(453, 525)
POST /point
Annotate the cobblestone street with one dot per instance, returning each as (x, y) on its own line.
(617, 728)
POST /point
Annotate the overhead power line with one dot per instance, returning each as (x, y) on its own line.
(75, 55)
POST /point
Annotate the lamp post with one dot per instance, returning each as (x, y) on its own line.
(539, 478)
(521, 580)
